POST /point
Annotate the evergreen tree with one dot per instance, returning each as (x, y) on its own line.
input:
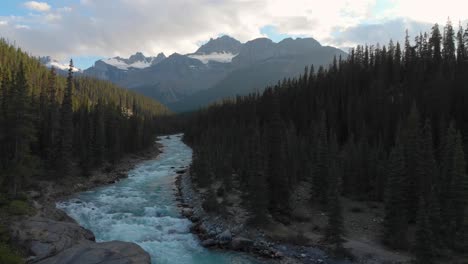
(411, 139)
(424, 236)
(20, 134)
(320, 177)
(256, 175)
(335, 228)
(52, 123)
(66, 126)
(435, 44)
(279, 187)
(395, 221)
(459, 191)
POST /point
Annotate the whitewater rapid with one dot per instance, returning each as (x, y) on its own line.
(142, 209)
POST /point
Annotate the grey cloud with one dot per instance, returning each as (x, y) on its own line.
(378, 33)
(111, 27)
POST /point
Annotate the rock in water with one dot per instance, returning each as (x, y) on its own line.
(114, 252)
(45, 237)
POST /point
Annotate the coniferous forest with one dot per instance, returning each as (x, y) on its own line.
(389, 124)
(50, 125)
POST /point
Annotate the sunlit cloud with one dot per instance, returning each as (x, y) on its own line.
(37, 6)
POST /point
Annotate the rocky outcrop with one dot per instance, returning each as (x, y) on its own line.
(114, 252)
(51, 237)
(44, 237)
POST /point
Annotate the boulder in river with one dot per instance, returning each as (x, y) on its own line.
(45, 237)
(113, 252)
(187, 212)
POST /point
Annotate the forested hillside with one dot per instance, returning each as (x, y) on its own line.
(387, 124)
(51, 125)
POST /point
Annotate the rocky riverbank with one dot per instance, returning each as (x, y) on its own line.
(232, 233)
(51, 237)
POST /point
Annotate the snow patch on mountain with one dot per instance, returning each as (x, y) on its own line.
(49, 63)
(223, 57)
(122, 65)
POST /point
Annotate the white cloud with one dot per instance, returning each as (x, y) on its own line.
(3, 22)
(432, 12)
(122, 27)
(22, 26)
(37, 6)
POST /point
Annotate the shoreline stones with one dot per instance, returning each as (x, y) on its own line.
(213, 231)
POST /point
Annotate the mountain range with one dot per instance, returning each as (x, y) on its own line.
(223, 67)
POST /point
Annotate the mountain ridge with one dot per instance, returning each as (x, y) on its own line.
(187, 81)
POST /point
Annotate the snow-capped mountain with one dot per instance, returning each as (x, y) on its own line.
(136, 61)
(222, 49)
(117, 69)
(220, 68)
(50, 62)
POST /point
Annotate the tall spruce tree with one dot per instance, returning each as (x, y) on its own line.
(424, 235)
(395, 221)
(459, 191)
(20, 134)
(279, 187)
(256, 175)
(66, 126)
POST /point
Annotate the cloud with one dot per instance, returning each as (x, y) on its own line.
(37, 6)
(22, 27)
(381, 32)
(121, 27)
(3, 22)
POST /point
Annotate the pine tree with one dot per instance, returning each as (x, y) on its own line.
(426, 165)
(335, 228)
(459, 192)
(53, 123)
(411, 142)
(395, 221)
(256, 175)
(320, 177)
(424, 236)
(462, 54)
(99, 139)
(279, 187)
(435, 44)
(446, 181)
(21, 133)
(449, 44)
(66, 126)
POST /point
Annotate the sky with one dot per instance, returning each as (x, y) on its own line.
(88, 30)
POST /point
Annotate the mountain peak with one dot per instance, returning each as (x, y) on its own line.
(136, 57)
(223, 44)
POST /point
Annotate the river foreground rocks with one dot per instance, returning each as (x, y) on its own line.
(113, 252)
(50, 241)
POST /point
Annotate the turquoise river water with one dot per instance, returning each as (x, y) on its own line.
(142, 209)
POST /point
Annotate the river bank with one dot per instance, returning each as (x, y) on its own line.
(49, 235)
(232, 233)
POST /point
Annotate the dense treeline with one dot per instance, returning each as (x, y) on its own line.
(52, 127)
(387, 124)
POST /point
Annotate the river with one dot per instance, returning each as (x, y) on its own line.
(142, 209)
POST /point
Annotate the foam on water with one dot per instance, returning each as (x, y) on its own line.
(142, 209)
